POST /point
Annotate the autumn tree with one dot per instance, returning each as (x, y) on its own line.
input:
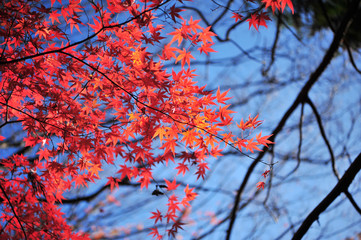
(87, 100)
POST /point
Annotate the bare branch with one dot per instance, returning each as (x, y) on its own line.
(340, 187)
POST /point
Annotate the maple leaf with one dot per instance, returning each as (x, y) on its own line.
(190, 195)
(206, 48)
(189, 137)
(241, 143)
(171, 185)
(53, 16)
(74, 22)
(202, 170)
(182, 168)
(262, 18)
(265, 174)
(155, 233)
(169, 145)
(252, 145)
(193, 25)
(224, 113)
(221, 97)
(125, 171)
(95, 169)
(260, 185)
(160, 132)
(80, 181)
(177, 225)
(206, 35)
(174, 12)
(289, 3)
(43, 31)
(178, 35)
(253, 21)
(113, 182)
(273, 3)
(157, 216)
(146, 175)
(98, 24)
(252, 122)
(53, 1)
(44, 153)
(171, 216)
(237, 17)
(168, 52)
(263, 140)
(184, 56)
(258, 19)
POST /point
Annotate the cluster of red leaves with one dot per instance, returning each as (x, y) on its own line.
(84, 108)
(259, 18)
(260, 185)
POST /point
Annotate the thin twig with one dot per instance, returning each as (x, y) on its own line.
(13, 210)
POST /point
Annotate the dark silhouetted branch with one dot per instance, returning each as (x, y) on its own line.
(340, 187)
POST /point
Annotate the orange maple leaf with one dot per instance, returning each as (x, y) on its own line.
(221, 97)
(252, 145)
(184, 56)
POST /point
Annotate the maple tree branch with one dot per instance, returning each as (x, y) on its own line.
(351, 58)
(323, 134)
(9, 122)
(226, 39)
(298, 156)
(95, 194)
(13, 210)
(273, 50)
(85, 39)
(220, 16)
(127, 183)
(340, 187)
(225, 219)
(32, 117)
(333, 161)
(269, 185)
(338, 36)
(160, 111)
(352, 201)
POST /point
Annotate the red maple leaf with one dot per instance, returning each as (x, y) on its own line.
(260, 185)
(274, 4)
(174, 12)
(171, 185)
(265, 174)
(184, 56)
(206, 48)
(252, 145)
(237, 17)
(157, 216)
(182, 168)
(221, 97)
(258, 19)
(289, 3)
